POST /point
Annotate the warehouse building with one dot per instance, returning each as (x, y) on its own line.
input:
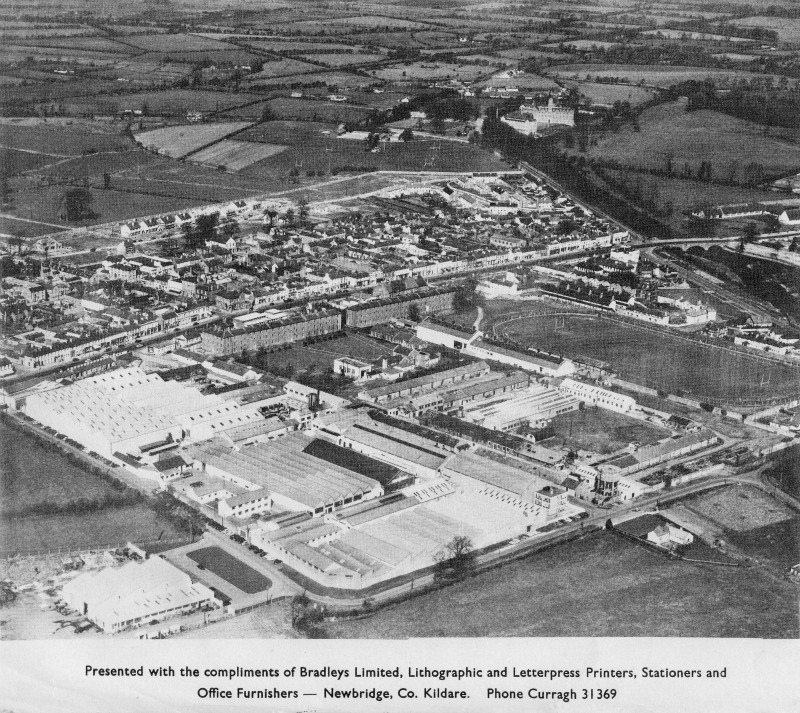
(595, 396)
(537, 363)
(532, 407)
(426, 383)
(282, 475)
(292, 328)
(130, 412)
(431, 300)
(445, 336)
(119, 598)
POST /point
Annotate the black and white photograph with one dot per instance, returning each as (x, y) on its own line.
(411, 324)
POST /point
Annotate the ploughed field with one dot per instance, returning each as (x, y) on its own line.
(609, 586)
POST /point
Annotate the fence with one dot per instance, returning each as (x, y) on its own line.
(67, 551)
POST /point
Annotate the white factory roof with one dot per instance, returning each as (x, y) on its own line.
(282, 467)
(512, 406)
(514, 480)
(133, 591)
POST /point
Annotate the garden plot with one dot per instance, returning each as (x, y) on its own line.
(236, 155)
(178, 141)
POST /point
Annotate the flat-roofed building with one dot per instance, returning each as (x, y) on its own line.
(498, 480)
(284, 330)
(128, 411)
(282, 474)
(596, 396)
(399, 447)
(431, 300)
(119, 598)
(425, 383)
(531, 406)
(537, 363)
(445, 336)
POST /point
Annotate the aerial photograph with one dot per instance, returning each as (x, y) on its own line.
(324, 319)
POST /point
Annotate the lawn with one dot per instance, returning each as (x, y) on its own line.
(740, 508)
(657, 359)
(231, 569)
(599, 586)
(601, 431)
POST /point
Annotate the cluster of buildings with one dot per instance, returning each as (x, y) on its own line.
(530, 119)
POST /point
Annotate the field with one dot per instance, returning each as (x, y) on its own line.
(135, 523)
(788, 29)
(609, 586)
(652, 358)
(668, 131)
(652, 75)
(740, 509)
(177, 141)
(235, 155)
(231, 569)
(281, 68)
(320, 356)
(601, 431)
(317, 110)
(176, 43)
(430, 70)
(610, 93)
(61, 139)
(344, 60)
(30, 475)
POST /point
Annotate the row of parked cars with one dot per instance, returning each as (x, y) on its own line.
(242, 541)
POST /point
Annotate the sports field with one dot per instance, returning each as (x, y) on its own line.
(668, 362)
(609, 587)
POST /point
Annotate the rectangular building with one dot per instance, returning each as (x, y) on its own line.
(280, 331)
(432, 300)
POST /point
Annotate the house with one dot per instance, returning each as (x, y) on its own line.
(668, 535)
(351, 368)
(6, 367)
(791, 216)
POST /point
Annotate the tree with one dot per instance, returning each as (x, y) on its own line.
(413, 313)
(456, 558)
(78, 205)
(406, 135)
(302, 210)
(267, 114)
(106, 180)
(751, 231)
(289, 216)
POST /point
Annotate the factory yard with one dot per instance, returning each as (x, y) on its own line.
(609, 586)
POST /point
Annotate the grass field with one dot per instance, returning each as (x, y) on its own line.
(610, 93)
(231, 569)
(788, 29)
(741, 508)
(177, 141)
(345, 60)
(136, 523)
(30, 475)
(688, 138)
(653, 75)
(600, 586)
(176, 102)
(601, 431)
(62, 139)
(431, 70)
(658, 360)
(320, 356)
(176, 43)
